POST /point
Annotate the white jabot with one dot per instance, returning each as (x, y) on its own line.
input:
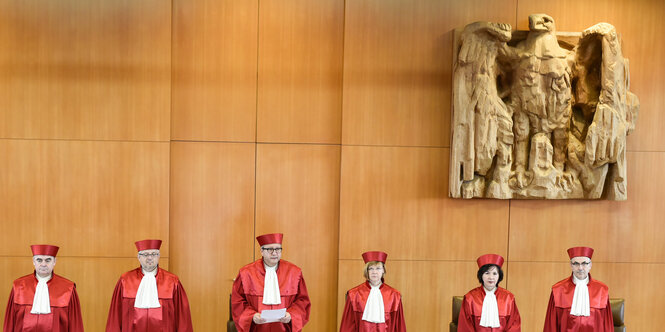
(374, 310)
(271, 293)
(490, 314)
(580, 305)
(41, 303)
(147, 296)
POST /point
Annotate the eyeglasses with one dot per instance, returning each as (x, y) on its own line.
(583, 264)
(146, 255)
(272, 250)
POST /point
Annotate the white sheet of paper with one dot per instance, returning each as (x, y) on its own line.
(273, 315)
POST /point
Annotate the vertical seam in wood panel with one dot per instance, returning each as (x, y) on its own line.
(256, 121)
(170, 159)
(341, 146)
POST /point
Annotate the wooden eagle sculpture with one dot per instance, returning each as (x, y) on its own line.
(539, 114)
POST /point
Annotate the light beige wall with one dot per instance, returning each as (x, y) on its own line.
(206, 123)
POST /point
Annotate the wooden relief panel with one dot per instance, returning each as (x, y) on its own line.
(539, 114)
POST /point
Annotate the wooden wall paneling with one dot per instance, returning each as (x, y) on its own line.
(427, 288)
(95, 279)
(531, 283)
(92, 198)
(629, 231)
(77, 69)
(396, 198)
(641, 26)
(300, 71)
(212, 226)
(297, 193)
(214, 70)
(398, 67)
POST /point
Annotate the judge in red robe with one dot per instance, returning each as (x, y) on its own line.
(149, 298)
(43, 301)
(270, 283)
(373, 306)
(489, 307)
(579, 303)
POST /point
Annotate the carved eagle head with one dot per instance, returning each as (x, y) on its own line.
(541, 23)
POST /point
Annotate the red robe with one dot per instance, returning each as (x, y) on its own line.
(247, 297)
(472, 310)
(559, 318)
(172, 316)
(356, 298)
(65, 313)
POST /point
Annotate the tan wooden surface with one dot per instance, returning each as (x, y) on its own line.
(79, 69)
(86, 196)
(214, 70)
(397, 67)
(300, 71)
(212, 198)
(297, 193)
(395, 198)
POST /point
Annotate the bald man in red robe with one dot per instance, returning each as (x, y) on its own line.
(579, 303)
(267, 284)
(43, 301)
(149, 298)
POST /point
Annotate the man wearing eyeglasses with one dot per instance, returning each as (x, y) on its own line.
(149, 298)
(43, 301)
(270, 283)
(579, 303)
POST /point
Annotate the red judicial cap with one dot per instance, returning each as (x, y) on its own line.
(490, 259)
(148, 244)
(580, 252)
(44, 249)
(269, 238)
(375, 256)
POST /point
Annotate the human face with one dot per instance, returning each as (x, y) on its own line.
(43, 265)
(490, 278)
(271, 253)
(149, 259)
(581, 267)
(375, 273)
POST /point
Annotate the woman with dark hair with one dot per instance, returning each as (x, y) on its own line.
(489, 307)
(373, 305)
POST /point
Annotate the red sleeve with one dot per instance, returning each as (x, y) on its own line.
(465, 321)
(183, 317)
(609, 321)
(114, 321)
(241, 309)
(75, 321)
(514, 322)
(300, 307)
(9, 314)
(349, 323)
(397, 321)
(551, 320)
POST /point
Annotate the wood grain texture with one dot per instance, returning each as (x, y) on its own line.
(214, 70)
(629, 231)
(398, 67)
(91, 198)
(635, 282)
(79, 69)
(95, 279)
(297, 193)
(396, 198)
(641, 27)
(300, 71)
(212, 202)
